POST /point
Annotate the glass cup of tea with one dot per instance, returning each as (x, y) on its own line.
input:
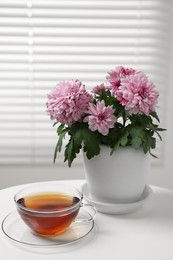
(48, 209)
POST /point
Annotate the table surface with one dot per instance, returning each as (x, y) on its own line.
(146, 234)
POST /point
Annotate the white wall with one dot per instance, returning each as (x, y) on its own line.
(15, 175)
(19, 174)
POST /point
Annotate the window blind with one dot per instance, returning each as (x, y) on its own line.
(44, 42)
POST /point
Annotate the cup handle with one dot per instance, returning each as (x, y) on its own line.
(91, 211)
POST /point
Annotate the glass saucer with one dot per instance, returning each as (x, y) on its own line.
(15, 229)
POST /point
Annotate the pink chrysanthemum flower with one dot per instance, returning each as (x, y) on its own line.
(137, 94)
(101, 118)
(117, 75)
(68, 102)
(99, 88)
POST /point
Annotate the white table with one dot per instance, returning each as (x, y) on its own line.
(144, 235)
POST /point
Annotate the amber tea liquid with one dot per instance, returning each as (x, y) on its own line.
(41, 219)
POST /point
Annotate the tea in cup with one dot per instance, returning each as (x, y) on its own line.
(48, 209)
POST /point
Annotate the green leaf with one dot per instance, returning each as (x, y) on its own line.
(153, 155)
(137, 131)
(74, 145)
(124, 139)
(150, 142)
(69, 153)
(121, 139)
(145, 147)
(137, 136)
(91, 142)
(55, 152)
(143, 121)
(115, 147)
(55, 123)
(136, 142)
(61, 132)
(75, 132)
(153, 143)
(161, 129)
(60, 141)
(154, 114)
(60, 129)
(80, 134)
(155, 129)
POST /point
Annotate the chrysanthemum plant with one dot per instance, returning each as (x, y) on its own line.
(120, 113)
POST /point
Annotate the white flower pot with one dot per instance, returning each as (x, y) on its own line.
(117, 178)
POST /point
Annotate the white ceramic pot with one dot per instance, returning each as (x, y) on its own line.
(117, 178)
